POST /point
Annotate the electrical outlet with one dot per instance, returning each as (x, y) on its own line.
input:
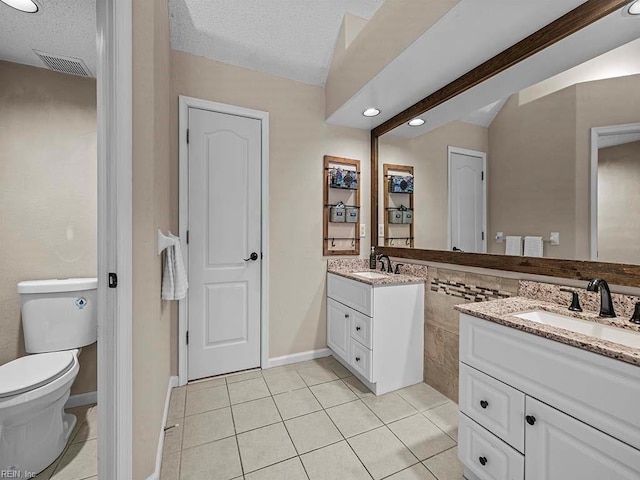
(555, 238)
(381, 230)
(363, 230)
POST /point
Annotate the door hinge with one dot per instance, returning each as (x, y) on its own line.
(483, 236)
(187, 337)
(187, 135)
(113, 280)
(482, 176)
(187, 237)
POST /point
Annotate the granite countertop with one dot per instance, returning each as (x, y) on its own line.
(502, 312)
(389, 278)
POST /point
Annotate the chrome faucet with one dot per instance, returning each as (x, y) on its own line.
(606, 304)
(389, 267)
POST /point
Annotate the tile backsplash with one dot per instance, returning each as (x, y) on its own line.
(472, 293)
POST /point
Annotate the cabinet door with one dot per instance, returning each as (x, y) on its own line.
(338, 327)
(559, 447)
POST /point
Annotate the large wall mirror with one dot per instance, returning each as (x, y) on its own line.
(540, 160)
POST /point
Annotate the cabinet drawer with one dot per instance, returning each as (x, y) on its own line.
(352, 293)
(362, 328)
(494, 405)
(361, 358)
(488, 457)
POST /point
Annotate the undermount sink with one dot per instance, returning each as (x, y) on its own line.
(371, 275)
(592, 329)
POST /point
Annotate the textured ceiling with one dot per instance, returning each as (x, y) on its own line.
(289, 38)
(62, 27)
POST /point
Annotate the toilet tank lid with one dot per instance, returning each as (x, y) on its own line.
(58, 285)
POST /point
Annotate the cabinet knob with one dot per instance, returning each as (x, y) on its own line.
(346, 315)
(357, 359)
(484, 403)
(358, 329)
(483, 461)
(530, 419)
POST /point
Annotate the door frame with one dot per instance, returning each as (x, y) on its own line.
(183, 313)
(596, 134)
(115, 235)
(471, 153)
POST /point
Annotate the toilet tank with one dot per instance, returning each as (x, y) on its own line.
(59, 314)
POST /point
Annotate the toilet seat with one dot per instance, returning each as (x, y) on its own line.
(33, 371)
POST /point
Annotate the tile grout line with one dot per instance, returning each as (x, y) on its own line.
(233, 421)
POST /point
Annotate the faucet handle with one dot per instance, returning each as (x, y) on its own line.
(575, 300)
(635, 318)
(398, 265)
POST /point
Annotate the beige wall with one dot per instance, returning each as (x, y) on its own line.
(395, 26)
(531, 172)
(539, 162)
(428, 155)
(151, 210)
(47, 192)
(618, 197)
(299, 138)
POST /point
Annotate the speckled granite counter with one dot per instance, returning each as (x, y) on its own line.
(502, 311)
(347, 267)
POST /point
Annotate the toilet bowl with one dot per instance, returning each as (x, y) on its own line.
(34, 428)
(59, 317)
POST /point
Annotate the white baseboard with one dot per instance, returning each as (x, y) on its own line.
(297, 357)
(82, 399)
(173, 382)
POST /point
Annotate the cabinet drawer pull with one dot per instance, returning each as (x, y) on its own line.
(358, 329)
(357, 359)
(483, 461)
(484, 403)
(530, 419)
(346, 315)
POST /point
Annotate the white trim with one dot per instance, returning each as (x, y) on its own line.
(82, 399)
(173, 382)
(114, 97)
(184, 104)
(596, 134)
(471, 153)
(297, 357)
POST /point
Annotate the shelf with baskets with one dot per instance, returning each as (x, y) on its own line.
(398, 205)
(341, 206)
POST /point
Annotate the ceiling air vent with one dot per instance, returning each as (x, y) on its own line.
(60, 63)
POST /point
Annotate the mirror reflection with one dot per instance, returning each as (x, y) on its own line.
(552, 170)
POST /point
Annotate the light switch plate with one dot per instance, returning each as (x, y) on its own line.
(500, 237)
(363, 230)
(381, 230)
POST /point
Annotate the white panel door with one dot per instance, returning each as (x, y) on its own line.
(467, 201)
(560, 447)
(224, 235)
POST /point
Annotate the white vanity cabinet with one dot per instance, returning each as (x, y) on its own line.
(377, 331)
(538, 409)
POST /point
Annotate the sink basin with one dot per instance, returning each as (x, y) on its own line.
(371, 275)
(592, 329)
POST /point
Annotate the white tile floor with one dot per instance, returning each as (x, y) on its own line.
(79, 460)
(308, 421)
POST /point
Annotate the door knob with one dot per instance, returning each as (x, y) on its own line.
(253, 257)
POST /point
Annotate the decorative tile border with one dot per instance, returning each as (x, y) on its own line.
(471, 293)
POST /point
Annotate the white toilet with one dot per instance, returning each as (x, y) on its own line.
(58, 318)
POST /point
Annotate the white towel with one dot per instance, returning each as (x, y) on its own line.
(513, 246)
(174, 278)
(533, 246)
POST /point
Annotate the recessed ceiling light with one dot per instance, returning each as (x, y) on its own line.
(634, 9)
(28, 6)
(371, 112)
(416, 122)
